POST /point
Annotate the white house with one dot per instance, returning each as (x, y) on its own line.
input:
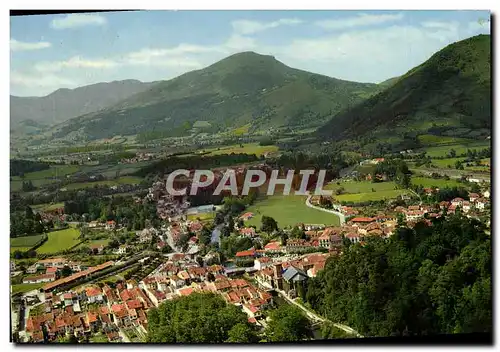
(261, 263)
(94, 294)
(39, 279)
(121, 250)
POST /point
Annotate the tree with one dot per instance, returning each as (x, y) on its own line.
(268, 224)
(422, 280)
(197, 318)
(453, 153)
(66, 271)
(288, 323)
(242, 333)
(297, 232)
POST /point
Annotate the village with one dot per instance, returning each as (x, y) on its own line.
(99, 311)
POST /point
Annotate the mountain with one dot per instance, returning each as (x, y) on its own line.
(245, 89)
(449, 94)
(64, 103)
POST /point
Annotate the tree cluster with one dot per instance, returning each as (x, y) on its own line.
(426, 280)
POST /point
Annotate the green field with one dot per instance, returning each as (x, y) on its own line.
(363, 191)
(25, 287)
(431, 182)
(429, 139)
(361, 186)
(249, 148)
(44, 177)
(53, 171)
(202, 216)
(25, 241)
(241, 130)
(98, 338)
(443, 163)
(131, 180)
(60, 240)
(288, 211)
(48, 207)
(370, 196)
(94, 242)
(440, 151)
(21, 249)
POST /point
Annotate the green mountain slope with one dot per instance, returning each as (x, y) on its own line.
(450, 92)
(245, 88)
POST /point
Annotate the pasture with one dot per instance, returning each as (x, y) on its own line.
(59, 241)
(249, 148)
(460, 148)
(370, 196)
(364, 191)
(435, 182)
(131, 180)
(288, 211)
(26, 287)
(25, 241)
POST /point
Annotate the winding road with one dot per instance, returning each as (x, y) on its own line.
(340, 215)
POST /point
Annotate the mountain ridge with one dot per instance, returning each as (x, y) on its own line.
(452, 88)
(64, 103)
(244, 88)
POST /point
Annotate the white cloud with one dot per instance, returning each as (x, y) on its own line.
(366, 54)
(362, 19)
(40, 81)
(482, 26)
(370, 55)
(75, 62)
(76, 20)
(16, 45)
(250, 27)
(239, 43)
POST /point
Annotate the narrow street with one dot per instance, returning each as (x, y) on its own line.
(123, 336)
(311, 315)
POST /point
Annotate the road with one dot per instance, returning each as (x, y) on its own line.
(340, 215)
(316, 318)
(311, 315)
(123, 336)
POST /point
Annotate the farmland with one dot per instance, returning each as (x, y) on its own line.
(460, 148)
(288, 211)
(370, 196)
(40, 178)
(119, 181)
(363, 191)
(361, 186)
(25, 287)
(26, 241)
(48, 207)
(59, 241)
(249, 148)
(429, 139)
(431, 182)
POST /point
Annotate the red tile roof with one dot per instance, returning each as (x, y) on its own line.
(248, 253)
(361, 219)
(186, 291)
(134, 304)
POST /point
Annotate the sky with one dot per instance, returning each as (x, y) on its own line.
(49, 52)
